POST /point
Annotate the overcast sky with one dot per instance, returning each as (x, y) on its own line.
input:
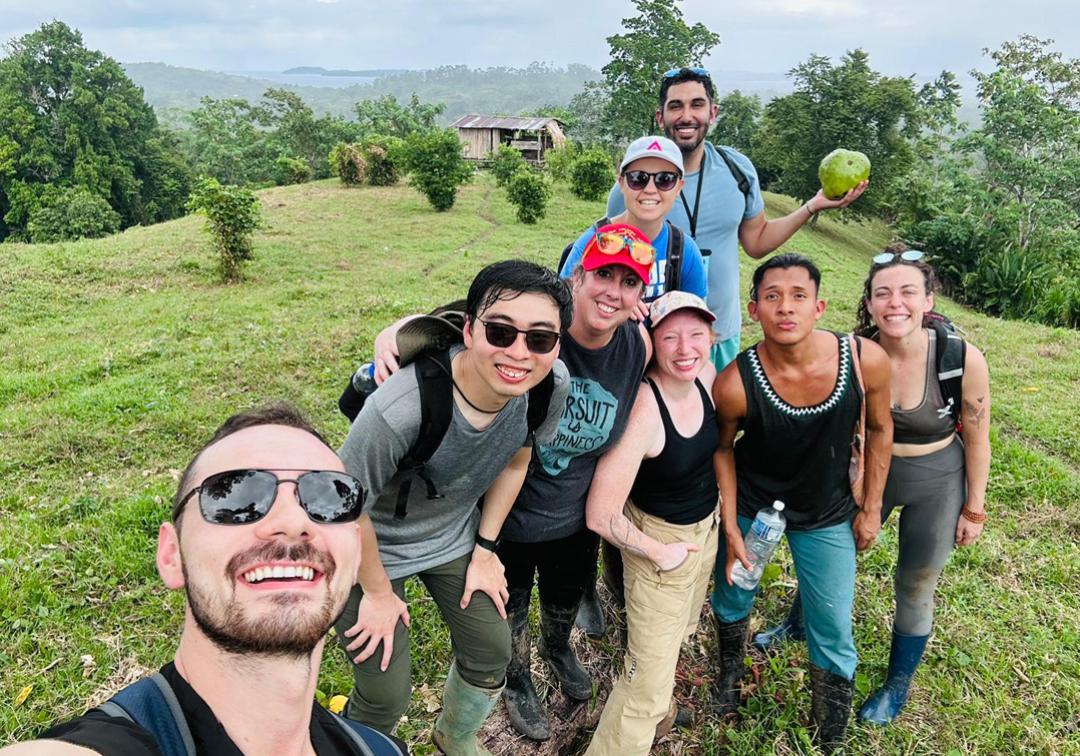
(902, 36)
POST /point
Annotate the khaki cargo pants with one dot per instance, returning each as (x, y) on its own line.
(662, 610)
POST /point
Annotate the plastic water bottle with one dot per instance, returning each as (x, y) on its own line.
(761, 542)
(363, 379)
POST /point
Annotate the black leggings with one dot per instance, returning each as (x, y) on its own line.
(565, 566)
(930, 491)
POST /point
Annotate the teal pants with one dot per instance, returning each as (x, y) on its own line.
(825, 566)
(724, 352)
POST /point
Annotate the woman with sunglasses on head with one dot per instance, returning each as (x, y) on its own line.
(940, 459)
(654, 497)
(545, 535)
(650, 177)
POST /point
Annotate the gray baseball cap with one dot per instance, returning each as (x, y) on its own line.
(653, 146)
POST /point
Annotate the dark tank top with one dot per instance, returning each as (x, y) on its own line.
(931, 419)
(798, 455)
(679, 484)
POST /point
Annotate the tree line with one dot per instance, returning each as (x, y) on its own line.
(997, 206)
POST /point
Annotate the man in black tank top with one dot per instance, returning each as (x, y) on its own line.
(797, 398)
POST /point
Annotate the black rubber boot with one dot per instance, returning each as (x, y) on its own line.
(791, 629)
(523, 707)
(730, 653)
(830, 707)
(590, 614)
(885, 704)
(554, 647)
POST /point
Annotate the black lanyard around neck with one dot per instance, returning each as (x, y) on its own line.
(697, 199)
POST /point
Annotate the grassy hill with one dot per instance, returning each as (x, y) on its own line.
(122, 354)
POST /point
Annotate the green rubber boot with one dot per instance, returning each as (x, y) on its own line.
(464, 709)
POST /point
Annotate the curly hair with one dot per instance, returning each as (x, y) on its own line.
(864, 323)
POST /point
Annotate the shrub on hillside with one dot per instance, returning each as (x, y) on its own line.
(71, 213)
(591, 174)
(559, 162)
(505, 162)
(436, 167)
(383, 156)
(288, 170)
(347, 163)
(530, 192)
(232, 215)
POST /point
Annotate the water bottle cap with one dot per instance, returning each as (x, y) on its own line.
(778, 505)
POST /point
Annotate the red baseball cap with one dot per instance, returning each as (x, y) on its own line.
(620, 244)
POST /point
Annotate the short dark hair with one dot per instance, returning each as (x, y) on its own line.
(684, 75)
(280, 413)
(784, 261)
(510, 279)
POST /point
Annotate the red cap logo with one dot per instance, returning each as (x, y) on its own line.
(655, 146)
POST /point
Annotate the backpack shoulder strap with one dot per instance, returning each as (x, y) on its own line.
(951, 353)
(570, 247)
(152, 704)
(736, 172)
(369, 741)
(433, 377)
(539, 401)
(673, 267)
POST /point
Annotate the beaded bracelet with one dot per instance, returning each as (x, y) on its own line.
(975, 517)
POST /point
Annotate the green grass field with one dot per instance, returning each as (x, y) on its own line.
(122, 354)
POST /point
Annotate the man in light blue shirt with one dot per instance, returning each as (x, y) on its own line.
(712, 208)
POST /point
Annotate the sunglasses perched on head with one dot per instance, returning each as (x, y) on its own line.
(612, 243)
(665, 180)
(910, 255)
(695, 70)
(502, 335)
(241, 497)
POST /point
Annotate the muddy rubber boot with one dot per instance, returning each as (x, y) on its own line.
(791, 629)
(464, 709)
(830, 707)
(523, 707)
(730, 653)
(677, 716)
(590, 614)
(554, 647)
(885, 704)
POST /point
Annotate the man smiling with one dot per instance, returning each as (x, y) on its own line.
(264, 542)
(425, 521)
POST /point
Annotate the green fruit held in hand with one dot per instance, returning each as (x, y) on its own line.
(842, 170)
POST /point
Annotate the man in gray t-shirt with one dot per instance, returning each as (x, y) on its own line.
(515, 312)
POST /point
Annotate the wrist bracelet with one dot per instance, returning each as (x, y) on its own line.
(487, 543)
(976, 517)
(807, 206)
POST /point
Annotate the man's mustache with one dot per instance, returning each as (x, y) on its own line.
(279, 552)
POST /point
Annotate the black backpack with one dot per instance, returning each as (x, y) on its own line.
(152, 705)
(434, 379)
(951, 353)
(672, 266)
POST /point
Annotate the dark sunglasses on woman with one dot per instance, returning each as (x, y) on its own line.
(241, 497)
(665, 180)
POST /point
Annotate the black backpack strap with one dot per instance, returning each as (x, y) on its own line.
(152, 704)
(539, 401)
(570, 247)
(741, 178)
(433, 377)
(673, 267)
(951, 353)
(370, 741)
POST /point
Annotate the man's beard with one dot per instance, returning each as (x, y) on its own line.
(293, 630)
(685, 149)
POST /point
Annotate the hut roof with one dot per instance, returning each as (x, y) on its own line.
(502, 122)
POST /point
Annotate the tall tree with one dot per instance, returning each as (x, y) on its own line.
(70, 118)
(655, 41)
(737, 120)
(385, 116)
(852, 106)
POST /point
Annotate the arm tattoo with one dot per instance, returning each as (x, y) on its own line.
(975, 412)
(626, 536)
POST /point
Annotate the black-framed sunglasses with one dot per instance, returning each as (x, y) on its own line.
(665, 180)
(502, 335)
(695, 69)
(910, 255)
(241, 497)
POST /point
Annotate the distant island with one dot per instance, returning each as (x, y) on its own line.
(318, 71)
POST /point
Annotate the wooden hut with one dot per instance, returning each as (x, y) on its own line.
(530, 136)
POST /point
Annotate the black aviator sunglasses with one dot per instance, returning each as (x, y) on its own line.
(241, 497)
